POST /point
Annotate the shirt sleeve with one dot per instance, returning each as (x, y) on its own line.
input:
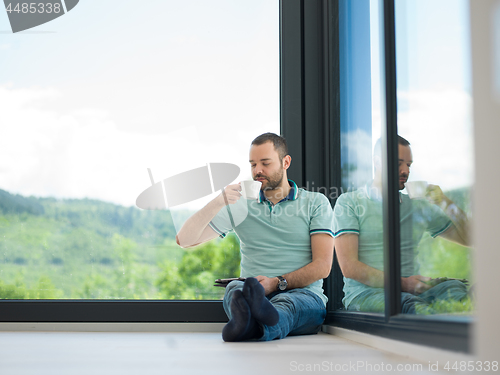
(229, 217)
(221, 223)
(345, 219)
(321, 217)
(437, 221)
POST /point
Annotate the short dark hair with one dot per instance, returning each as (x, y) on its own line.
(377, 150)
(402, 141)
(278, 141)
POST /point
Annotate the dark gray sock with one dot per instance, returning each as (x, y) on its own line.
(242, 325)
(262, 310)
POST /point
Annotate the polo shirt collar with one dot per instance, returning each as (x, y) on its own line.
(292, 195)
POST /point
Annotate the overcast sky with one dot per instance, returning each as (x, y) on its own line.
(434, 88)
(97, 96)
(92, 99)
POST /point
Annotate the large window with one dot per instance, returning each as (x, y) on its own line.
(406, 72)
(361, 116)
(351, 73)
(435, 116)
(90, 102)
(434, 169)
(347, 56)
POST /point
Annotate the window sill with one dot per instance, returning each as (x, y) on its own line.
(444, 332)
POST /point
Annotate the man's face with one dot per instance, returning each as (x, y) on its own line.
(405, 161)
(266, 165)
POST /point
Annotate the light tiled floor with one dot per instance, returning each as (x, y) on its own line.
(67, 353)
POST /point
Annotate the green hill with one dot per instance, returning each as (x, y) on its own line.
(17, 204)
(83, 248)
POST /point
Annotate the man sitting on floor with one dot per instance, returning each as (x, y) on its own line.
(358, 225)
(286, 245)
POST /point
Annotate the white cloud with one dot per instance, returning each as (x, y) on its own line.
(46, 152)
(438, 124)
(170, 95)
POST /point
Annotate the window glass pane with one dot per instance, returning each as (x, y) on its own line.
(434, 115)
(358, 210)
(93, 99)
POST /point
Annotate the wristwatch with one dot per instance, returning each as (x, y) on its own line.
(282, 284)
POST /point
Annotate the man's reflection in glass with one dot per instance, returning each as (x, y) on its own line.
(358, 228)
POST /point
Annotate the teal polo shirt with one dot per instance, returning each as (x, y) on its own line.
(276, 239)
(360, 212)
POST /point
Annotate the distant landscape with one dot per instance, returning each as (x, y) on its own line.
(82, 248)
(90, 249)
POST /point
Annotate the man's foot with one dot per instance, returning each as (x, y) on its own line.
(242, 325)
(262, 310)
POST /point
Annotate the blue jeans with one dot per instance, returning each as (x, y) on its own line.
(372, 300)
(301, 312)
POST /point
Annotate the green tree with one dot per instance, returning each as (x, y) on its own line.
(43, 289)
(194, 275)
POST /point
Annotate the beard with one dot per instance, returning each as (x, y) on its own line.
(403, 184)
(273, 181)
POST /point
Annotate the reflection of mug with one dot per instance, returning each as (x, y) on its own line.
(250, 189)
(416, 189)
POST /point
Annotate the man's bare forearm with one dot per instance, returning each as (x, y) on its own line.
(353, 268)
(370, 276)
(319, 267)
(193, 228)
(307, 275)
(347, 253)
(459, 219)
(300, 278)
(196, 230)
(365, 274)
(460, 231)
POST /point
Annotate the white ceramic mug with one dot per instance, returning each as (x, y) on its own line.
(416, 189)
(250, 189)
